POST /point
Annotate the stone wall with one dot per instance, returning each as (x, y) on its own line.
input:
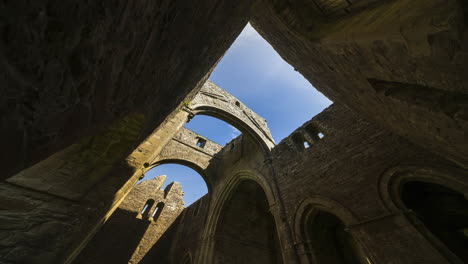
(72, 69)
(94, 176)
(84, 84)
(341, 172)
(399, 63)
(129, 234)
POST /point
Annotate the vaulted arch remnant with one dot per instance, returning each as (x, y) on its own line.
(214, 101)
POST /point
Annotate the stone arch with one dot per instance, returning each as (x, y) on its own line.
(214, 101)
(391, 190)
(324, 204)
(191, 164)
(391, 181)
(314, 207)
(206, 252)
(243, 126)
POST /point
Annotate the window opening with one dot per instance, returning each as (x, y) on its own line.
(443, 212)
(321, 135)
(157, 211)
(300, 141)
(201, 142)
(147, 207)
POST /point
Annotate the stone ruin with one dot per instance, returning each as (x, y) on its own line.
(95, 94)
(135, 226)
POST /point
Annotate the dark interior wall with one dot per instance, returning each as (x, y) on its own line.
(246, 231)
(343, 168)
(113, 243)
(71, 68)
(443, 212)
(327, 240)
(400, 63)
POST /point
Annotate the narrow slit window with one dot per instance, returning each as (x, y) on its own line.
(201, 142)
(299, 141)
(147, 207)
(157, 211)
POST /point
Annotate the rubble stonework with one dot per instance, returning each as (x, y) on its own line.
(96, 94)
(129, 234)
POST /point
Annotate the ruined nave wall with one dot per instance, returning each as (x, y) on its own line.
(140, 220)
(399, 63)
(341, 171)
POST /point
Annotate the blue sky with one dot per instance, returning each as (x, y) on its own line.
(252, 71)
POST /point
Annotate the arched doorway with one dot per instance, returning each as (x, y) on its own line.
(326, 240)
(441, 211)
(246, 231)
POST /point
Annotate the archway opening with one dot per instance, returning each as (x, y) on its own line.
(213, 128)
(326, 239)
(443, 211)
(193, 184)
(246, 231)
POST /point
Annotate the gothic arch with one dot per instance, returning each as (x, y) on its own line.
(214, 101)
(325, 204)
(392, 180)
(254, 133)
(193, 165)
(391, 187)
(306, 214)
(206, 252)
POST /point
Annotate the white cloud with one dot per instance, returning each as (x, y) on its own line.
(234, 132)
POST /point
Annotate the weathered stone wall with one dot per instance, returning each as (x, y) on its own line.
(341, 172)
(94, 181)
(128, 234)
(86, 179)
(87, 82)
(71, 69)
(400, 63)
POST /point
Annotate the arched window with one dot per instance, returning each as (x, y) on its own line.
(443, 212)
(157, 211)
(327, 241)
(247, 228)
(146, 208)
(314, 132)
(300, 141)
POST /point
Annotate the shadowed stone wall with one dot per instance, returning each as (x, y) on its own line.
(84, 84)
(399, 63)
(341, 173)
(129, 233)
(72, 69)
